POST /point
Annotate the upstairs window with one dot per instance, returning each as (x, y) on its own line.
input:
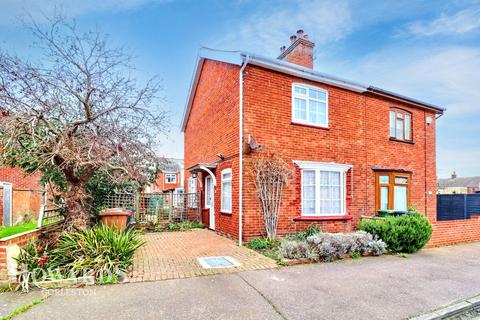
(400, 125)
(309, 105)
(170, 178)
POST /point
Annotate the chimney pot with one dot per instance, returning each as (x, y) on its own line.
(298, 52)
(454, 175)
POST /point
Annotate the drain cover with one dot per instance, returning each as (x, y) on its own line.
(218, 262)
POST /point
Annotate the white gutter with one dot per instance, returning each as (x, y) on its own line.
(240, 171)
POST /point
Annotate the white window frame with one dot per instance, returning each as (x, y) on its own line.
(170, 175)
(307, 98)
(342, 169)
(226, 171)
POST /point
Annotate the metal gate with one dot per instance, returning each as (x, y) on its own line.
(158, 207)
(7, 219)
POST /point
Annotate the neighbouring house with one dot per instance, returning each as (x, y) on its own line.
(456, 185)
(21, 195)
(170, 177)
(354, 149)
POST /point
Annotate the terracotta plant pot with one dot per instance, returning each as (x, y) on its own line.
(115, 217)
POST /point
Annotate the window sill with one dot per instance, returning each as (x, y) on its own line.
(226, 213)
(323, 218)
(403, 141)
(309, 125)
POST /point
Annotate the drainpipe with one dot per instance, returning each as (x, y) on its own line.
(240, 171)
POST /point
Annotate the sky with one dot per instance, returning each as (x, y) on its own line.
(428, 50)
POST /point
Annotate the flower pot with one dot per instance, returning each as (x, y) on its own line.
(115, 217)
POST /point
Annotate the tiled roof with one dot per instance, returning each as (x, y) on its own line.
(459, 182)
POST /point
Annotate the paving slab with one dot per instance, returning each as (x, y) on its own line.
(218, 297)
(173, 255)
(9, 301)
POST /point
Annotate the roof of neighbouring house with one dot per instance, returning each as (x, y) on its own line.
(459, 182)
(239, 57)
(170, 165)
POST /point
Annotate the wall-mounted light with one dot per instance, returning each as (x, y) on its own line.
(429, 120)
(194, 174)
(220, 156)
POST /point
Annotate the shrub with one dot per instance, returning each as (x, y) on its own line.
(294, 249)
(33, 258)
(99, 249)
(183, 226)
(303, 235)
(258, 244)
(406, 233)
(331, 246)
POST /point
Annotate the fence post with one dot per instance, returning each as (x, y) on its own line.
(465, 211)
(170, 211)
(137, 206)
(42, 209)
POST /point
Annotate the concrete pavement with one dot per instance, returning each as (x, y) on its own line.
(388, 287)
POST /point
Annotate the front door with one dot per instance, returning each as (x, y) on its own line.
(209, 201)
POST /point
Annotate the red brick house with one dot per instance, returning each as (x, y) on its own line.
(170, 177)
(354, 149)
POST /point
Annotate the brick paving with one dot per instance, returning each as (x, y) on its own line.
(172, 255)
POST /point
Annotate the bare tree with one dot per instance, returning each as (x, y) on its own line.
(78, 111)
(271, 176)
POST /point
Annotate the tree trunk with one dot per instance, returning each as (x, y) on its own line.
(76, 202)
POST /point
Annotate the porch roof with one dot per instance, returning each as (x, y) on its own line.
(202, 166)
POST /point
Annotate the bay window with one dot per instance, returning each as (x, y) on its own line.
(323, 188)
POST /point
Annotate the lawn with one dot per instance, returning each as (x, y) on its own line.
(19, 228)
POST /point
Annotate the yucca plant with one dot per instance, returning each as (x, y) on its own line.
(98, 250)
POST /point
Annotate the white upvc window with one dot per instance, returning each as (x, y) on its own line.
(323, 191)
(170, 178)
(309, 105)
(226, 197)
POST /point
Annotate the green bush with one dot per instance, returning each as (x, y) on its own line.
(258, 244)
(406, 233)
(182, 226)
(98, 249)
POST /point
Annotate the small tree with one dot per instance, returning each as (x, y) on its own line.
(271, 176)
(77, 112)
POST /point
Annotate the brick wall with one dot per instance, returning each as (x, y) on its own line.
(161, 185)
(455, 231)
(20, 179)
(213, 128)
(20, 240)
(26, 193)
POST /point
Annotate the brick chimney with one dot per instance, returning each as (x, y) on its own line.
(300, 50)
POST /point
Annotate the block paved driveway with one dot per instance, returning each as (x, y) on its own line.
(173, 255)
(388, 287)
